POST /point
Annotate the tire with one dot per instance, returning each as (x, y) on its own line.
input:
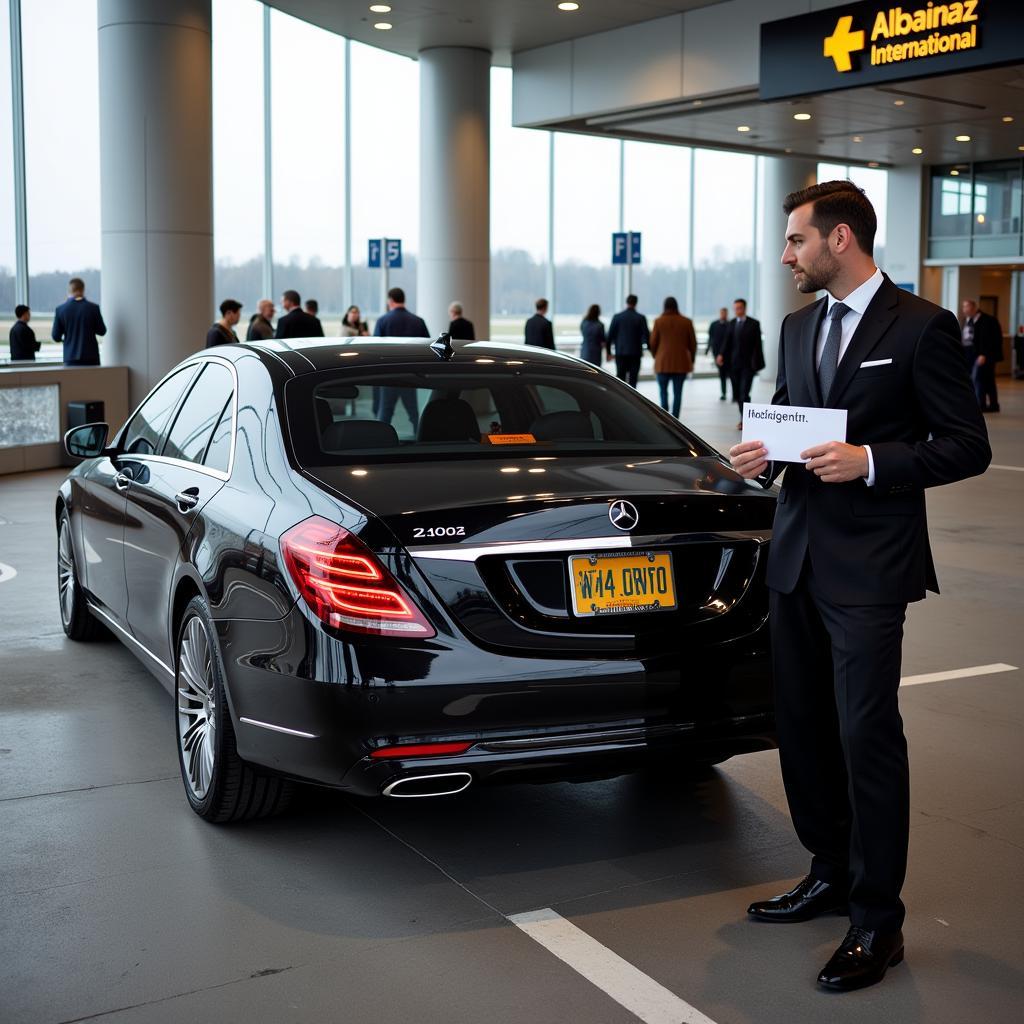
(219, 785)
(79, 623)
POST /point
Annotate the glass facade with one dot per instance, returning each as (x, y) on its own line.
(975, 210)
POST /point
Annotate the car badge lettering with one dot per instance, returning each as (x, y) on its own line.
(623, 514)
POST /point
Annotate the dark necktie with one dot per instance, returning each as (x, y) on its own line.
(830, 353)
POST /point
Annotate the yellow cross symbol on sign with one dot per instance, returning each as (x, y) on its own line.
(842, 43)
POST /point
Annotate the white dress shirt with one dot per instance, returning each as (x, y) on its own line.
(857, 301)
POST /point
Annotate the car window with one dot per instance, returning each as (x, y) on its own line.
(146, 429)
(418, 412)
(190, 435)
(218, 455)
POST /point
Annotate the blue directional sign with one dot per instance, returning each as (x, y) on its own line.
(373, 256)
(394, 253)
(626, 247)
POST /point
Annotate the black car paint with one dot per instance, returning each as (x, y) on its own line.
(584, 698)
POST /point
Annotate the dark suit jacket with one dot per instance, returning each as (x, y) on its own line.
(298, 324)
(540, 332)
(742, 348)
(988, 337)
(77, 322)
(628, 333)
(23, 341)
(717, 331)
(869, 545)
(400, 323)
(461, 329)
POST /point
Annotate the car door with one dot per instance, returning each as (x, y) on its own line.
(104, 495)
(167, 495)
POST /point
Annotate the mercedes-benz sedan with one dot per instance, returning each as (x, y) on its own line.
(399, 569)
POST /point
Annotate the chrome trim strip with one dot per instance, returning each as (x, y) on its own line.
(470, 553)
(279, 728)
(142, 647)
(389, 789)
(633, 735)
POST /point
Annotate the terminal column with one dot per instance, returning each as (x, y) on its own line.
(156, 174)
(777, 294)
(455, 235)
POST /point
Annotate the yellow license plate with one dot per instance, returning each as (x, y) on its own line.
(621, 584)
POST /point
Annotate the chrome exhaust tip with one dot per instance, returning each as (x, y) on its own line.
(443, 784)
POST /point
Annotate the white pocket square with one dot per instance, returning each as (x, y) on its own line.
(875, 362)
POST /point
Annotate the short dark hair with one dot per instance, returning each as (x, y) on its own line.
(671, 306)
(20, 310)
(397, 295)
(312, 306)
(540, 304)
(838, 202)
(229, 306)
(292, 296)
(593, 312)
(76, 284)
(744, 301)
(631, 300)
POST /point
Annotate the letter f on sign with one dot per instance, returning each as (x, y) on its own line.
(843, 42)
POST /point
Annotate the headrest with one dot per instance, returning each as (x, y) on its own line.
(324, 415)
(448, 419)
(348, 434)
(563, 426)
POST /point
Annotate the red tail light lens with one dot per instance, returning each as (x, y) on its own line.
(345, 585)
(421, 750)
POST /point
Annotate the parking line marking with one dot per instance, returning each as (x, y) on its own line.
(1009, 469)
(957, 673)
(617, 978)
(7, 572)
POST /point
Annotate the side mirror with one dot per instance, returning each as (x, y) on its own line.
(86, 442)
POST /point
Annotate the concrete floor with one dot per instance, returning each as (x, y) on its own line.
(117, 903)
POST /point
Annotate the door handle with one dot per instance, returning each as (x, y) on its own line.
(187, 499)
(122, 481)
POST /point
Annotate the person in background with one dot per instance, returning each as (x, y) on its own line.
(260, 326)
(673, 344)
(223, 331)
(78, 323)
(717, 330)
(296, 323)
(982, 338)
(23, 338)
(1018, 353)
(538, 329)
(352, 326)
(398, 322)
(313, 309)
(595, 343)
(460, 328)
(628, 333)
(742, 354)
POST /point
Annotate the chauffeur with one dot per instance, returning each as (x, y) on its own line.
(849, 550)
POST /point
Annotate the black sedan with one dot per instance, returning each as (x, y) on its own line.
(399, 569)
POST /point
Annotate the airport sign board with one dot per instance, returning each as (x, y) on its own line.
(626, 247)
(870, 43)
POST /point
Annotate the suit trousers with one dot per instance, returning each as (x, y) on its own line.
(742, 382)
(841, 743)
(627, 368)
(984, 380)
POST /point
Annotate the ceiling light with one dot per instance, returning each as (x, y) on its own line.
(857, 138)
(963, 138)
(801, 117)
(898, 103)
(743, 128)
(1020, 149)
(568, 6)
(787, 150)
(380, 8)
(954, 173)
(917, 151)
(383, 26)
(872, 163)
(981, 218)
(1007, 120)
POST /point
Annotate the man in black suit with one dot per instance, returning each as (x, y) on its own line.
(296, 322)
(983, 345)
(717, 331)
(628, 335)
(22, 337)
(459, 327)
(398, 322)
(849, 550)
(742, 354)
(539, 331)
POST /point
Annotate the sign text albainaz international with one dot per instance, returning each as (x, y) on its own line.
(869, 43)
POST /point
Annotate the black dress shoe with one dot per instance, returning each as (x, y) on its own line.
(810, 898)
(862, 959)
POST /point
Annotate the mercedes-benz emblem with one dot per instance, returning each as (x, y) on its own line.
(623, 514)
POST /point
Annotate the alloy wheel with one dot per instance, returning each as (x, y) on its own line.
(65, 574)
(197, 709)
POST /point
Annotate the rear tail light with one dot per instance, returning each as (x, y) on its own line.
(421, 750)
(344, 583)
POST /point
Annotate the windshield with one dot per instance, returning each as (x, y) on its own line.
(432, 411)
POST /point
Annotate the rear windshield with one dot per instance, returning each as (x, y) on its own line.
(413, 412)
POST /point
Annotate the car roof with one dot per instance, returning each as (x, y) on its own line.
(307, 355)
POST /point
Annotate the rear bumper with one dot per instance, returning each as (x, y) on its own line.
(315, 707)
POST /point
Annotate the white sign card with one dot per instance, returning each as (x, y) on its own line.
(788, 430)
